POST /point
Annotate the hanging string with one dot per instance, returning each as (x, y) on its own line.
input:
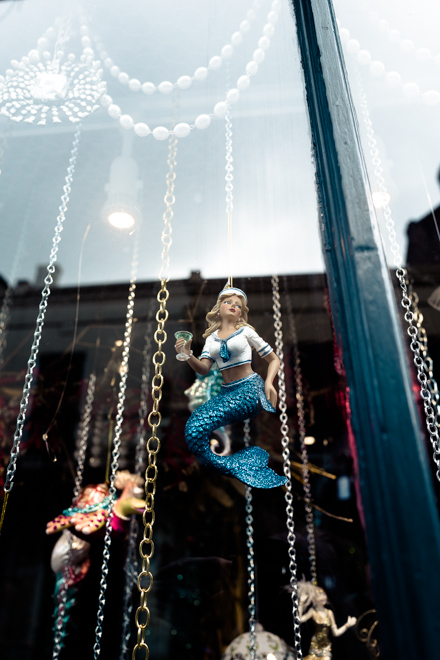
(285, 442)
(116, 447)
(146, 546)
(250, 553)
(310, 527)
(428, 385)
(10, 473)
(82, 437)
(131, 558)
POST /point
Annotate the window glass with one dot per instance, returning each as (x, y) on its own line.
(155, 66)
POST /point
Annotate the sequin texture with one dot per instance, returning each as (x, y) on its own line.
(236, 402)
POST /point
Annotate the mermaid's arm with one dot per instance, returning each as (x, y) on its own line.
(272, 370)
(202, 366)
(337, 632)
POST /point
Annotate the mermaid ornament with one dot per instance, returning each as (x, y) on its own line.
(244, 394)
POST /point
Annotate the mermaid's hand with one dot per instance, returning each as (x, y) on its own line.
(271, 393)
(182, 347)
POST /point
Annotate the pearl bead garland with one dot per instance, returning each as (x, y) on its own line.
(377, 69)
(201, 73)
(220, 109)
(407, 45)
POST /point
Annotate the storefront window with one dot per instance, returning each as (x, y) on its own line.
(173, 141)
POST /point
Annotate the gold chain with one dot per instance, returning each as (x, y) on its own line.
(146, 546)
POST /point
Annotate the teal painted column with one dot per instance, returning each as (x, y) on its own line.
(403, 531)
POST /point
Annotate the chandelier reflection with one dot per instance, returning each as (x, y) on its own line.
(37, 92)
(42, 87)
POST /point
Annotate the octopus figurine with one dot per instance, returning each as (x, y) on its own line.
(312, 605)
(244, 394)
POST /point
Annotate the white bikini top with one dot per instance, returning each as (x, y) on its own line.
(236, 349)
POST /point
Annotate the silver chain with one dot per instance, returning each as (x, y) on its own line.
(250, 553)
(116, 448)
(169, 199)
(143, 401)
(229, 166)
(299, 395)
(130, 568)
(41, 314)
(83, 433)
(285, 442)
(4, 321)
(428, 386)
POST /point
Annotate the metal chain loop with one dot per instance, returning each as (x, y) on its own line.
(130, 568)
(41, 316)
(285, 442)
(82, 437)
(146, 546)
(250, 553)
(4, 321)
(115, 451)
(310, 527)
(168, 215)
(415, 331)
(83, 434)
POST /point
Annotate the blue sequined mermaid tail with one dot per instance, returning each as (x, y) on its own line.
(237, 401)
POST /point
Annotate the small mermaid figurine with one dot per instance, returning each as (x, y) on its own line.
(244, 394)
(313, 597)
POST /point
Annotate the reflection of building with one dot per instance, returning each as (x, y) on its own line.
(200, 516)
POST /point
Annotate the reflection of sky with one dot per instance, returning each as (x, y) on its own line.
(275, 215)
(407, 131)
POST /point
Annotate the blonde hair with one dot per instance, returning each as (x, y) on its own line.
(309, 593)
(213, 317)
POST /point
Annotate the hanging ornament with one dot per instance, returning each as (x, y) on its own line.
(312, 605)
(244, 394)
(41, 88)
(267, 647)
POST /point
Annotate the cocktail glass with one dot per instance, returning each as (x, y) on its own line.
(183, 334)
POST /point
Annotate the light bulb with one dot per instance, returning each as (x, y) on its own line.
(309, 440)
(121, 219)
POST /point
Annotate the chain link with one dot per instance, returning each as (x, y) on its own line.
(168, 215)
(428, 387)
(83, 433)
(146, 546)
(250, 553)
(285, 442)
(4, 321)
(310, 527)
(41, 315)
(115, 451)
(130, 568)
